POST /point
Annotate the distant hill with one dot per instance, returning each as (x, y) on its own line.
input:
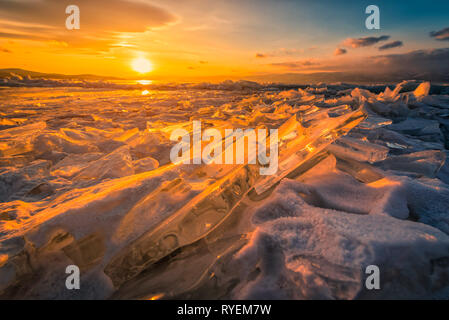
(24, 73)
(287, 78)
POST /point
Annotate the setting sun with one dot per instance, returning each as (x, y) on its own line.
(142, 65)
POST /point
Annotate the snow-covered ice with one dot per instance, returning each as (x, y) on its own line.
(86, 179)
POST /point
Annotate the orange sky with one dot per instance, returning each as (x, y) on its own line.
(196, 39)
(177, 46)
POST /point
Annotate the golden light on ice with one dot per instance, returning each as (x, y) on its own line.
(141, 65)
(144, 82)
(156, 297)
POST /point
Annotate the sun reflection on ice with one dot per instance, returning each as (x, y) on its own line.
(144, 82)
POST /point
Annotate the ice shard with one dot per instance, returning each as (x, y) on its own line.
(18, 140)
(315, 131)
(300, 139)
(374, 122)
(359, 150)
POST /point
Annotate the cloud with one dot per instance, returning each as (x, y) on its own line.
(106, 15)
(5, 50)
(20, 36)
(102, 23)
(289, 52)
(431, 65)
(281, 52)
(198, 28)
(300, 64)
(340, 51)
(390, 45)
(418, 61)
(440, 35)
(364, 42)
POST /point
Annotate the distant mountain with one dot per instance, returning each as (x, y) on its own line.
(287, 78)
(24, 73)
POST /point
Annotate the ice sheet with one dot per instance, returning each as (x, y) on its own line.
(86, 179)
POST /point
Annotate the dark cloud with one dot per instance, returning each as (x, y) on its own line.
(340, 51)
(420, 62)
(390, 45)
(261, 55)
(364, 42)
(440, 35)
(430, 61)
(431, 65)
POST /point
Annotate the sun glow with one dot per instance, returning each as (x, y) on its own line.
(142, 65)
(144, 82)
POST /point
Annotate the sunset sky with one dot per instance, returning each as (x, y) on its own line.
(204, 39)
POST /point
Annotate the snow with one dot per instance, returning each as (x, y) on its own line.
(86, 179)
(304, 251)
